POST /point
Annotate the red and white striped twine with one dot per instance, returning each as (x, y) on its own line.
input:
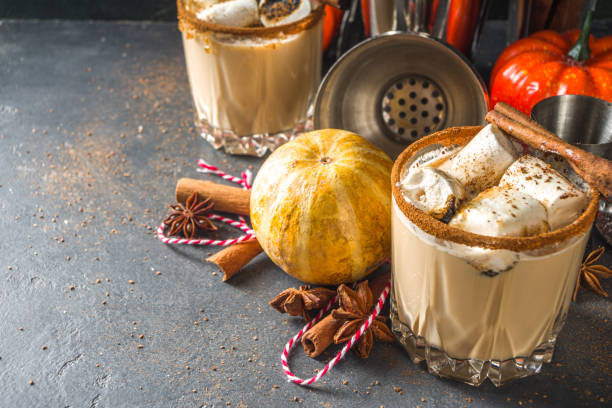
(245, 181)
(303, 382)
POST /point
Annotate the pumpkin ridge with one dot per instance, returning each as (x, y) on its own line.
(371, 183)
(350, 229)
(273, 201)
(304, 227)
(360, 152)
(383, 204)
(604, 88)
(383, 165)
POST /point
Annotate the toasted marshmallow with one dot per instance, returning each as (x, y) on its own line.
(481, 163)
(502, 211)
(279, 12)
(206, 3)
(563, 201)
(433, 192)
(233, 13)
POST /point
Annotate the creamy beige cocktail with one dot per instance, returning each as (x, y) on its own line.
(251, 86)
(476, 306)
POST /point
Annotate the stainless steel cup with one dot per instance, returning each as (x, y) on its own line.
(585, 122)
(581, 120)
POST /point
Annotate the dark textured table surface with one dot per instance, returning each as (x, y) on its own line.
(82, 189)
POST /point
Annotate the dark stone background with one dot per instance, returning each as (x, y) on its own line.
(81, 192)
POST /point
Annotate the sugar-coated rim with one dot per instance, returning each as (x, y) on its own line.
(188, 20)
(432, 226)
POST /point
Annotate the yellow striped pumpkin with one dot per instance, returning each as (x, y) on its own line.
(321, 207)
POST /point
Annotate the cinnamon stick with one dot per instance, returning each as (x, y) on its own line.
(321, 335)
(227, 199)
(233, 258)
(595, 170)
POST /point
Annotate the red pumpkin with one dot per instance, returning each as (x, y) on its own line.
(545, 64)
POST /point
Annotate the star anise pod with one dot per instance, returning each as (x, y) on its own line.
(355, 307)
(298, 302)
(186, 219)
(589, 274)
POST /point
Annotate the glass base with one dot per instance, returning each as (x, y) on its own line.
(471, 371)
(251, 145)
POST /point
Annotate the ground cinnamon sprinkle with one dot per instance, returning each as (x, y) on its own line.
(460, 136)
(190, 24)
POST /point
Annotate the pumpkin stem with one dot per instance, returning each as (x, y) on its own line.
(581, 51)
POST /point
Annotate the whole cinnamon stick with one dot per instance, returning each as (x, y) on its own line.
(227, 199)
(321, 335)
(234, 257)
(595, 170)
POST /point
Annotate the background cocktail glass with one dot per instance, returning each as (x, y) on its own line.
(252, 87)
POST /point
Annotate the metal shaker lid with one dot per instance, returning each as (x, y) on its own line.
(397, 87)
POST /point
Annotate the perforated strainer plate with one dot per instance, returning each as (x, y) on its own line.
(397, 87)
(412, 107)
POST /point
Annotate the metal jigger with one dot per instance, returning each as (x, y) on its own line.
(585, 122)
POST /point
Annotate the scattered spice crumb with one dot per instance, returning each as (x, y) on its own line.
(142, 337)
(71, 287)
(68, 258)
(44, 347)
(140, 346)
(131, 282)
(255, 338)
(98, 281)
(275, 386)
(31, 382)
(158, 273)
(20, 328)
(345, 382)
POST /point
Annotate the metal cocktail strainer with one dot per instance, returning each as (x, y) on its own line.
(398, 87)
